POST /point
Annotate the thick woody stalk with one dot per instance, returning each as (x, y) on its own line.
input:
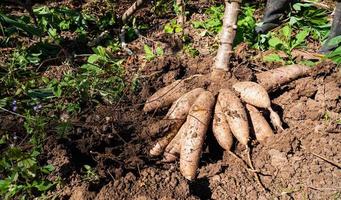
(228, 33)
(132, 10)
(181, 15)
(126, 15)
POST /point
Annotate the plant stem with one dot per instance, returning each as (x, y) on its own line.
(228, 33)
(131, 10)
(181, 15)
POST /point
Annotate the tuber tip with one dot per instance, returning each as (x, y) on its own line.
(275, 120)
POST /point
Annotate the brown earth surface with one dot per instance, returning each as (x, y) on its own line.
(298, 163)
(115, 140)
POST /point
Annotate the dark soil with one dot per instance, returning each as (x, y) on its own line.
(114, 139)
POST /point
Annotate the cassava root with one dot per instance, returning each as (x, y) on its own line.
(229, 112)
(193, 139)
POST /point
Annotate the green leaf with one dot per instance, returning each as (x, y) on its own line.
(27, 163)
(93, 58)
(47, 169)
(42, 93)
(42, 185)
(53, 32)
(57, 91)
(197, 24)
(336, 52)
(87, 167)
(4, 185)
(91, 68)
(335, 41)
(275, 41)
(168, 28)
(297, 6)
(2, 141)
(21, 25)
(159, 51)
(300, 37)
(286, 30)
(293, 20)
(273, 58)
(149, 55)
(3, 102)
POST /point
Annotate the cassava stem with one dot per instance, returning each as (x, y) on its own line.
(228, 33)
(126, 15)
(131, 10)
(181, 15)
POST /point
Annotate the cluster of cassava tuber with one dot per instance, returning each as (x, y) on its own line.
(231, 105)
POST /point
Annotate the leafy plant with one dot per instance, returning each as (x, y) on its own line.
(305, 22)
(161, 7)
(62, 18)
(90, 174)
(246, 25)
(285, 40)
(150, 54)
(172, 27)
(335, 55)
(21, 171)
(21, 25)
(40, 94)
(189, 49)
(306, 15)
(213, 24)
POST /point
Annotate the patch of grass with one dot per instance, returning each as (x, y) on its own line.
(22, 173)
(212, 25)
(151, 53)
(43, 98)
(335, 55)
(305, 23)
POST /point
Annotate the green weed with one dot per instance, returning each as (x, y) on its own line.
(90, 174)
(172, 27)
(213, 24)
(335, 55)
(40, 100)
(305, 22)
(22, 174)
(150, 54)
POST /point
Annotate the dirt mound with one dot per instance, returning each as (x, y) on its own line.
(298, 163)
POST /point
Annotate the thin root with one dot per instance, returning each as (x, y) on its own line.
(255, 171)
(247, 167)
(336, 164)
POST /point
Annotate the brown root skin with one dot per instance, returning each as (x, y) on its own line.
(172, 151)
(261, 127)
(222, 59)
(191, 142)
(221, 129)
(253, 93)
(167, 95)
(177, 113)
(180, 107)
(275, 78)
(235, 114)
(160, 145)
(275, 120)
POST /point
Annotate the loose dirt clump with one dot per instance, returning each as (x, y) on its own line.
(114, 140)
(290, 164)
